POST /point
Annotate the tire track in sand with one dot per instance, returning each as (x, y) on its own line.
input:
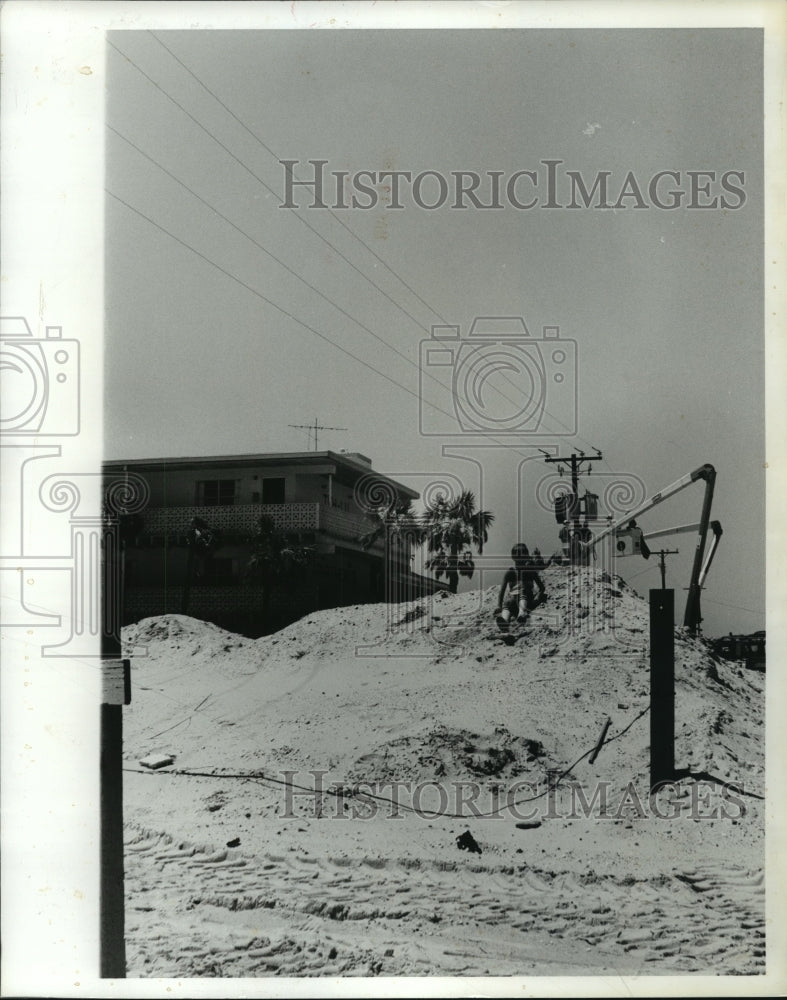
(194, 910)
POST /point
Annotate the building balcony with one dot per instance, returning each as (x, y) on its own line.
(231, 517)
(335, 524)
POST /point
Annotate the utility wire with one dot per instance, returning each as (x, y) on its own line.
(279, 261)
(343, 792)
(709, 600)
(264, 298)
(737, 607)
(278, 195)
(305, 325)
(350, 792)
(267, 148)
(645, 570)
(330, 211)
(267, 187)
(291, 316)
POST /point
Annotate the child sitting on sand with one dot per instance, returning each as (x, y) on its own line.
(516, 591)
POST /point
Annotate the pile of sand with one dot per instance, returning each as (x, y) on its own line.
(429, 694)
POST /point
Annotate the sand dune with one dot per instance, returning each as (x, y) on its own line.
(280, 744)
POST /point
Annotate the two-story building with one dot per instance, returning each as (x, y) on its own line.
(323, 500)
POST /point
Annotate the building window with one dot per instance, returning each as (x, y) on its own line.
(216, 492)
(273, 490)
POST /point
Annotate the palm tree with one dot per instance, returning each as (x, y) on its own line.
(451, 527)
(398, 525)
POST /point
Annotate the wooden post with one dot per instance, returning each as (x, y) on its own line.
(663, 553)
(600, 743)
(113, 936)
(115, 692)
(662, 686)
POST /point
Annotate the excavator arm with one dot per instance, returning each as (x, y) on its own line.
(692, 616)
(717, 533)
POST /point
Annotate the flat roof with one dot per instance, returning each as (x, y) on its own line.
(351, 461)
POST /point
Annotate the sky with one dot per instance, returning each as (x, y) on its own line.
(216, 341)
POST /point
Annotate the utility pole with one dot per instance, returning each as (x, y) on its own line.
(663, 566)
(315, 427)
(575, 461)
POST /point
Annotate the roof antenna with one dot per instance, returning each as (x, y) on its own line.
(315, 427)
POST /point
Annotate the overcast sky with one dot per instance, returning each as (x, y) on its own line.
(665, 306)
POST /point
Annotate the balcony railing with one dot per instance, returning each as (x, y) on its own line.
(235, 517)
(287, 517)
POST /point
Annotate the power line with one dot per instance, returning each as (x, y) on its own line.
(264, 298)
(291, 316)
(273, 256)
(278, 195)
(708, 600)
(306, 326)
(645, 570)
(267, 148)
(737, 607)
(256, 177)
(311, 329)
(267, 186)
(330, 211)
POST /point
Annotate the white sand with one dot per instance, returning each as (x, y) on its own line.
(321, 890)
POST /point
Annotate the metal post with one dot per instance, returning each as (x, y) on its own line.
(113, 936)
(114, 694)
(662, 686)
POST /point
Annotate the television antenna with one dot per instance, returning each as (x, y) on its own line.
(315, 427)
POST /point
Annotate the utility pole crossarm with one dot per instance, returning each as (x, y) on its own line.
(578, 550)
